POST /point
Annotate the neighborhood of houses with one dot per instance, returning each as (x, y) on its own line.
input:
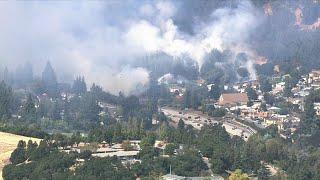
(236, 103)
(241, 118)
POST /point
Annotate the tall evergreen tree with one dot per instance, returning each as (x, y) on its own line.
(29, 107)
(97, 91)
(19, 154)
(89, 108)
(252, 94)
(55, 111)
(265, 85)
(50, 81)
(187, 99)
(6, 97)
(309, 121)
(215, 92)
(79, 86)
(287, 88)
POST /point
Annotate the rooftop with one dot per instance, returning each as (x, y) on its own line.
(117, 153)
(233, 98)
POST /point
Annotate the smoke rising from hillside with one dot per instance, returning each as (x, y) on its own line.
(228, 28)
(94, 39)
(101, 39)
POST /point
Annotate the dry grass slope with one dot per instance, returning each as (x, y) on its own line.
(8, 142)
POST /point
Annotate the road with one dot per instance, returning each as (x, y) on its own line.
(197, 119)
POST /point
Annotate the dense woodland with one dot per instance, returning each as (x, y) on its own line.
(44, 107)
(226, 153)
(297, 160)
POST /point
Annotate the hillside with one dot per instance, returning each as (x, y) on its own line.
(8, 143)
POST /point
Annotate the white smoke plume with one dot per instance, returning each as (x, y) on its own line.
(97, 39)
(76, 37)
(229, 28)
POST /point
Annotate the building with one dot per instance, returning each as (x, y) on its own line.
(209, 86)
(121, 154)
(317, 108)
(314, 76)
(175, 177)
(278, 88)
(233, 99)
(160, 144)
(254, 113)
(176, 89)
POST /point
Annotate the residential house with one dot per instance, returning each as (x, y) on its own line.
(277, 88)
(233, 99)
(314, 76)
(209, 86)
(317, 108)
(178, 90)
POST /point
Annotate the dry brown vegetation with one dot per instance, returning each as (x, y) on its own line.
(8, 142)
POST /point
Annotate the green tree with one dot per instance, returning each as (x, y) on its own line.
(147, 141)
(269, 99)
(252, 94)
(19, 154)
(148, 152)
(43, 150)
(86, 154)
(180, 131)
(50, 81)
(6, 98)
(31, 147)
(189, 163)
(287, 88)
(215, 92)
(170, 148)
(29, 107)
(309, 110)
(187, 99)
(263, 173)
(76, 138)
(274, 150)
(79, 86)
(29, 110)
(309, 123)
(265, 85)
(89, 109)
(54, 111)
(238, 175)
(103, 168)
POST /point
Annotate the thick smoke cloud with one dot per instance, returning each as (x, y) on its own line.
(98, 39)
(78, 38)
(229, 28)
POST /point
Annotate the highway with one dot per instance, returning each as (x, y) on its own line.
(197, 119)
